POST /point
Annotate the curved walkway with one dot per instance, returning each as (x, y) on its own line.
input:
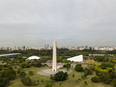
(48, 72)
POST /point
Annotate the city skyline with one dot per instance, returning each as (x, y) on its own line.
(69, 22)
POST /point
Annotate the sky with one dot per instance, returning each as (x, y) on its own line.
(69, 22)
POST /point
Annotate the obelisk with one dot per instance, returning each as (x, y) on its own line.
(54, 61)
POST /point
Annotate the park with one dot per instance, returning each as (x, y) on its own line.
(56, 70)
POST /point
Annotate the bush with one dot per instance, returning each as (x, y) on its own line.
(105, 77)
(1, 74)
(113, 82)
(60, 76)
(37, 64)
(22, 74)
(26, 81)
(31, 73)
(100, 59)
(3, 81)
(49, 85)
(79, 68)
(105, 65)
(87, 72)
(67, 66)
(19, 70)
(95, 79)
(85, 82)
(9, 74)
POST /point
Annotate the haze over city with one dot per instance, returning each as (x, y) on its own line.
(69, 22)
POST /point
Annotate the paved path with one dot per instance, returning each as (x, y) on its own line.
(49, 72)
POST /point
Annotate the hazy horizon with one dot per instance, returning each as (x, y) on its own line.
(69, 22)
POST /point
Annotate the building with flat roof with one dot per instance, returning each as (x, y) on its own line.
(10, 55)
(76, 58)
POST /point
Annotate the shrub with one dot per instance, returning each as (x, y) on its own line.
(100, 59)
(105, 65)
(49, 85)
(85, 82)
(26, 81)
(105, 77)
(31, 73)
(79, 68)
(95, 79)
(3, 81)
(37, 64)
(10, 73)
(87, 72)
(19, 70)
(113, 82)
(22, 74)
(67, 66)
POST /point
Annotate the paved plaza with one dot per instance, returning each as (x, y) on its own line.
(48, 72)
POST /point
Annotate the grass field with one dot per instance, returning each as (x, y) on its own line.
(70, 82)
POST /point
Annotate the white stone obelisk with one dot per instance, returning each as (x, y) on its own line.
(54, 61)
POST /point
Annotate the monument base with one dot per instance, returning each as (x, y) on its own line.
(49, 72)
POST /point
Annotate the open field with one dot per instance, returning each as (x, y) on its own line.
(70, 82)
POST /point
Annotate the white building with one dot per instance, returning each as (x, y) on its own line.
(76, 58)
(33, 57)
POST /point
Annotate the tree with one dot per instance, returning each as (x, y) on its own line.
(95, 79)
(105, 65)
(113, 82)
(0, 68)
(105, 77)
(85, 82)
(10, 73)
(37, 64)
(19, 70)
(100, 59)
(26, 81)
(87, 72)
(67, 66)
(22, 74)
(59, 76)
(31, 73)
(22, 65)
(79, 68)
(49, 85)
(3, 81)
(73, 75)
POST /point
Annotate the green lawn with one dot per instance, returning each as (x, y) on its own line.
(70, 82)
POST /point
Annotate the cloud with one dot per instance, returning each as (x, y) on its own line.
(67, 21)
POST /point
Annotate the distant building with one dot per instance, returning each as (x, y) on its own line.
(10, 55)
(76, 58)
(23, 47)
(93, 55)
(33, 57)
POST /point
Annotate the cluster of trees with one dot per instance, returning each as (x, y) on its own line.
(106, 58)
(28, 63)
(6, 76)
(86, 71)
(24, 78)
(12, 61)
(106, 64)
(67, 66)
(101, 59)
(59, 76)
(105, 73)
(61, 52)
